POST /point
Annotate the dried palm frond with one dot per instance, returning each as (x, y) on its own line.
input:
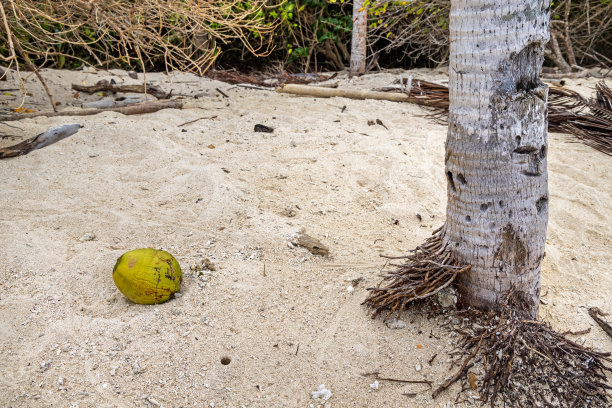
(590, 120)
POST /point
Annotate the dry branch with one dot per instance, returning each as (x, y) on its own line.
(181, 35)
(145, 107)
(322, 92)
(42, 140)
(105, 86)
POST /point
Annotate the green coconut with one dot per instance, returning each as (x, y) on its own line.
(147, 276)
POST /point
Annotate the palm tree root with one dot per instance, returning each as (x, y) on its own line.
(505, 355)
(526, 363)
(425, 272)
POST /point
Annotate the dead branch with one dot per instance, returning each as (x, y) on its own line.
(145, 107)
(320, 92)
(42, 140)
(105, 86)
(594, 311)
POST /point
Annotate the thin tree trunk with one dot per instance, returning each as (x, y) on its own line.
(496, 149)
(358, 41)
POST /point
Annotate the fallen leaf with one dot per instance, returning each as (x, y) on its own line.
(211, 146)
(472, 380)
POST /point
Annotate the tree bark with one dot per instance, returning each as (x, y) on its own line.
(496, 149)
(358, 40)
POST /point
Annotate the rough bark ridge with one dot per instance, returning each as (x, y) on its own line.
(496, 148)
(358, 40)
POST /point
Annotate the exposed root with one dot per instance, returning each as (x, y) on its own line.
(429, 269)
(526, 363)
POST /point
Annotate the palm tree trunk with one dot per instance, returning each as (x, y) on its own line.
(358, 40)
(496, 149)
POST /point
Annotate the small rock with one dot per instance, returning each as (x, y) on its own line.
(263, 128)
(60, 381)
(90, 236)
(322, 393)
(289, 212)
(374, 385)
(350, 289)
(136, 368)
(447, 298)
(418, 367)
(133, 74)
(293, 144)
(113, 371)
(395, 324)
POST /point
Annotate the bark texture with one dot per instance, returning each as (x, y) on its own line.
(358, 40)
(496, 149)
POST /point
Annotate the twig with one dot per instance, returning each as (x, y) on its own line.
(222, 93)
(594, 311)
(377, 376)
(195, 120)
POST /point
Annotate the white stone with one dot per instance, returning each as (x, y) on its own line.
(322, 393)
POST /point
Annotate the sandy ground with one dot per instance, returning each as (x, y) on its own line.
(216, 189)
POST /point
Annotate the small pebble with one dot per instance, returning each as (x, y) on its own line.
(90, 236)
(374, 385)
(322, 393)
(418, 367)
(396, 324)
(350, 289)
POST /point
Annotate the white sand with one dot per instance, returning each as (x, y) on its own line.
(140, 181)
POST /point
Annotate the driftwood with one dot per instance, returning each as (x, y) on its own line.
(105, 86)
(315, 246)
(42, 140)
(145, 107)
(105, 103)
(320, 92)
